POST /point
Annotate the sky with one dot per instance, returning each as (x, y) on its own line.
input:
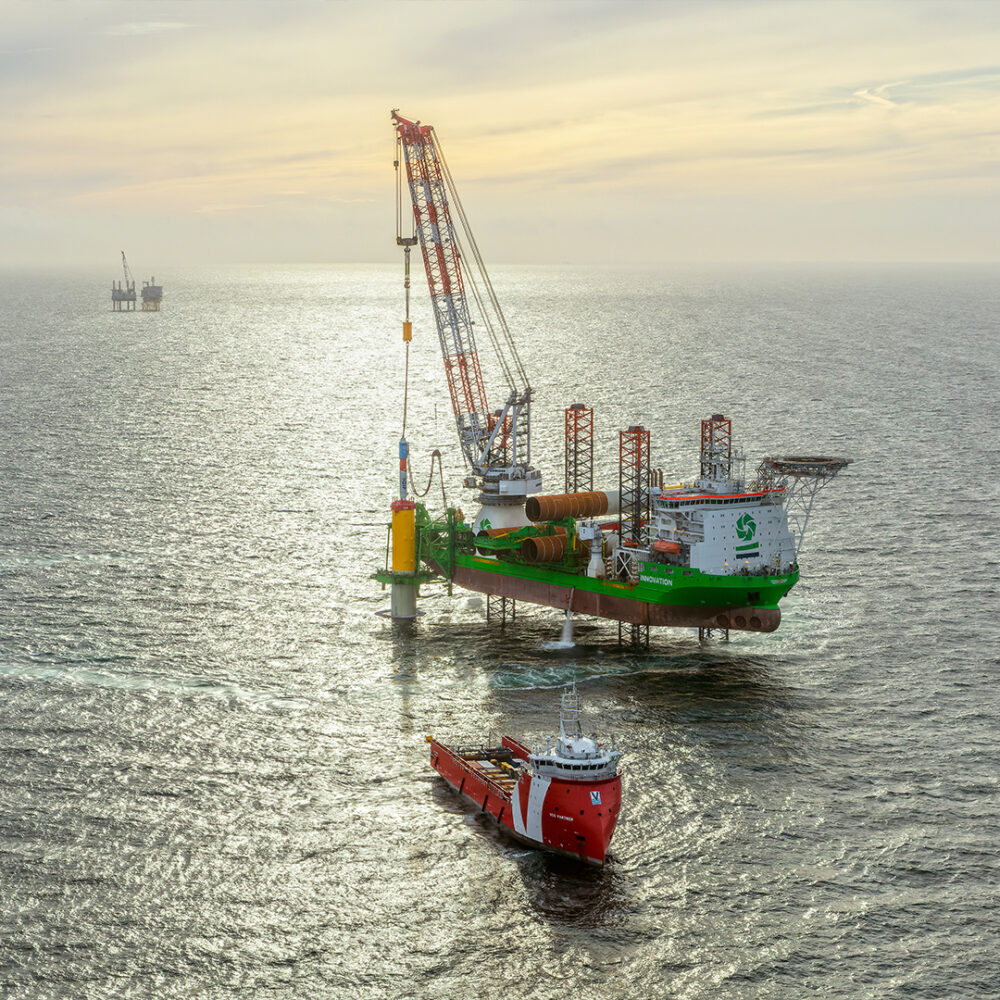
(577, 132)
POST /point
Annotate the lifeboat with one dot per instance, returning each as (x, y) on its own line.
(667, 548)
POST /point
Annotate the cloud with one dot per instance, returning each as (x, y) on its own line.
(877, 96)
(146, 27)
(548, 107)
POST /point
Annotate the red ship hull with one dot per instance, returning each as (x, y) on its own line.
(572, 817)
(617, 608)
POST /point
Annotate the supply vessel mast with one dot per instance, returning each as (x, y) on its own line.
(496, 443)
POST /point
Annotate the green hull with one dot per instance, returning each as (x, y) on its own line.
(657, 583)
(662, 595)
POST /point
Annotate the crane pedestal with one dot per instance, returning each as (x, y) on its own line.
(496, 513)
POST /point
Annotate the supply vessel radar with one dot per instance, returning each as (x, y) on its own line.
(716, 553)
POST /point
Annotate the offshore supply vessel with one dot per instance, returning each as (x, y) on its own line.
(716, 553)
(564, 797)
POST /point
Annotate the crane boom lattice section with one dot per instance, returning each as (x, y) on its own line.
(442, 263)
(496, 443)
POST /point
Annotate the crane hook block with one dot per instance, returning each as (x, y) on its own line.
(407, 331)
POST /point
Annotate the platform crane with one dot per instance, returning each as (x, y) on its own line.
(496, 443)
(125, 292)
(129, 280)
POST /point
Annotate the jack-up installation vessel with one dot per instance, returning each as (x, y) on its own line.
(715, 553)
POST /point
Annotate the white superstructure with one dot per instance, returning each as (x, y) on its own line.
(574, 756)
(722, 529)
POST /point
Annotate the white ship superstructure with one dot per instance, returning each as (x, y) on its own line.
(721, 529)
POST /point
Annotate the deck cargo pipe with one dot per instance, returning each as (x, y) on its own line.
(558, 505)
(545, 548)
(503, 533)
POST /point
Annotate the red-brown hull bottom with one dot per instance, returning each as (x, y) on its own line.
(586, 602)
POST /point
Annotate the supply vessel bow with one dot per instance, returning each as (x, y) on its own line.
(564, 797)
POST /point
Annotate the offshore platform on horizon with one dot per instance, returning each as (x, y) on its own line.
(123, 297)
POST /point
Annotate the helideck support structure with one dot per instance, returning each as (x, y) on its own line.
(801, 477)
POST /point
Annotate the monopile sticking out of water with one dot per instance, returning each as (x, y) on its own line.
(404, 576)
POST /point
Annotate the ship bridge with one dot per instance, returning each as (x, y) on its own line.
(574, 756)
(603, 765)
(727, 532)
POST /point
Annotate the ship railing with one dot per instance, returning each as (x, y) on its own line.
(774, 497)
(769, 569)
(470, 747)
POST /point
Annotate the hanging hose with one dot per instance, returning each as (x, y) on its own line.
(405, 242)
(435, 456)
(406, 384)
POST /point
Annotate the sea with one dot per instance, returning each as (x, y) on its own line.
(214, 780)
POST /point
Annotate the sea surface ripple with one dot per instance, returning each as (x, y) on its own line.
(213, 775)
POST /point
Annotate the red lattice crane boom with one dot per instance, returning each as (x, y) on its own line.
(496, 444)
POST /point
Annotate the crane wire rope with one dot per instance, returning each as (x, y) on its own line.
(434, 164)
(498, 353)
(406, 244)
(490, 330)
(471, 274)
(434, 196)
(449, 180)
(399, 190)
(502, 356)
(436, 454)
(406, 386)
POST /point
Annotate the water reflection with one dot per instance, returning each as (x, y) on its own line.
(405, 637)
(709, 676)
(558, 888)
(571, 893)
